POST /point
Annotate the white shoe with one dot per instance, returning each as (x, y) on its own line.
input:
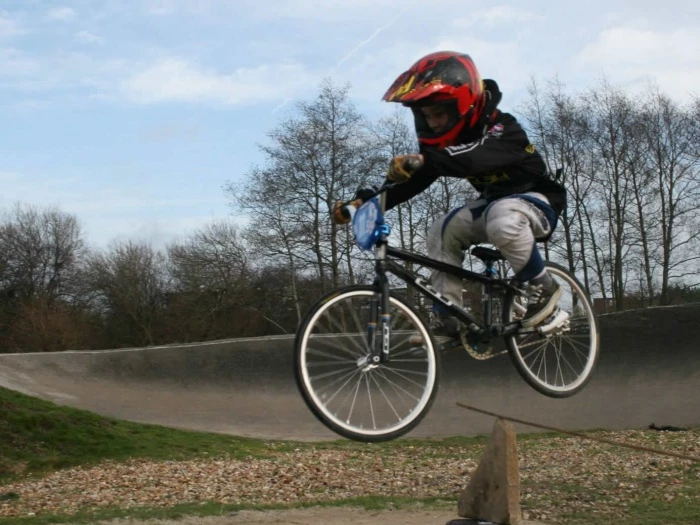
(542, 303)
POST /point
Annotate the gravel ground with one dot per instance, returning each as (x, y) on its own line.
(559, 476)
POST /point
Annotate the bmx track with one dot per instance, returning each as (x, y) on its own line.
(649, 372)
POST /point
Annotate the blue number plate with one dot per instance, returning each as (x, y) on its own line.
(366, 224)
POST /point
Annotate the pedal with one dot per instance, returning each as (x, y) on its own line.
(556, 323)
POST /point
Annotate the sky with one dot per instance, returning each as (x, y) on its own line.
(133, 114)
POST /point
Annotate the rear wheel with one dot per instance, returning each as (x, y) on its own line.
(352, 396)
(561, 363)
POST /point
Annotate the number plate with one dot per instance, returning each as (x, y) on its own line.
(366, 224)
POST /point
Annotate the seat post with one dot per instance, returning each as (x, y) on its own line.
(490, 269)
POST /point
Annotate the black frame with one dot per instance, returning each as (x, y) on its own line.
(482, 328)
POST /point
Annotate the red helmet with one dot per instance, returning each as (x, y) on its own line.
(447, 79)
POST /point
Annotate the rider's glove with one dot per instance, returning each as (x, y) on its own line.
(339, 215)
(362, 195)
(402, 167)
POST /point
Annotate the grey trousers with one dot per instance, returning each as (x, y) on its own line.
(511, 224)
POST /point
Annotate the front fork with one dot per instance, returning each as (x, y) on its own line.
(379, 318)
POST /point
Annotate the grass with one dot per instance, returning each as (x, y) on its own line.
(653, 511)
(37, 436)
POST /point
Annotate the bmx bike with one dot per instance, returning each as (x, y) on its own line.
(368, 365)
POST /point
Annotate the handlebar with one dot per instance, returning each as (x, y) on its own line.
(348, 208)
(411, 164)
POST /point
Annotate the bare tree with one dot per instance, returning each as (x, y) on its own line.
(321, 155)
(40, 251)
(210, 277)
(670, 136)
(130, 283)
(612, 134)
(560, 126)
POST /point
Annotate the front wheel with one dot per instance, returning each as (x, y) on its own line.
(560, 364)
(348, 393)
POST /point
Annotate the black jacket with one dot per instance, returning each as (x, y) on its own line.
(498, 160)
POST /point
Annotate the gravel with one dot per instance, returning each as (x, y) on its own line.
(559, 476)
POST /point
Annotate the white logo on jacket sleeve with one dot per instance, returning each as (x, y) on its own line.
(464, 148)
(495, 131)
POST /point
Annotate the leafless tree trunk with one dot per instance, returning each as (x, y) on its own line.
(130, 280)
(613, 139)
(671, 138)
(320, 156)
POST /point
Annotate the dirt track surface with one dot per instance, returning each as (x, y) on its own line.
(313, 516)
(649, 372)
(317, 516)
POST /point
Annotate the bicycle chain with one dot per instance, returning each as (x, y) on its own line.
(477, 354)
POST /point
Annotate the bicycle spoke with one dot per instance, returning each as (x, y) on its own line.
(348, 377)
(401, 396)
(359, 345)
(322, 353)
(325, 375)
(371, 406)
(354, 400)
(388, 401)
(405, 377)
(396, 386)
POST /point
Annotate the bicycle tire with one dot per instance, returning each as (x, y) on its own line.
(334, 333)
(582, 338)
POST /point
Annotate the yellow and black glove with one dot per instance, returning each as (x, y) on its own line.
(402, 167)
(362, 195)
(339, 215)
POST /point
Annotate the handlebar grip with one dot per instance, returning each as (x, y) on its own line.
(413, 163)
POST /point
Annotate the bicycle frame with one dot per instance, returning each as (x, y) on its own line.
(385, 265)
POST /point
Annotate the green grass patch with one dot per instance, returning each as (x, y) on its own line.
(38, 436)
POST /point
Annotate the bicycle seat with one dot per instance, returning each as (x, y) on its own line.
(487, 254)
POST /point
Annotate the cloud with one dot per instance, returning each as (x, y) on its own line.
(60, 74)
(632, 46)
(501, 60)
(497, 16)
(64, 14)
(160, 233)
(8, 27)
(85, 37)
(9, 176)
(14, 63)
(366, 41)
(637, 55)
(69, 76)
(172, 131)
(172, 7)
(175, 80)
